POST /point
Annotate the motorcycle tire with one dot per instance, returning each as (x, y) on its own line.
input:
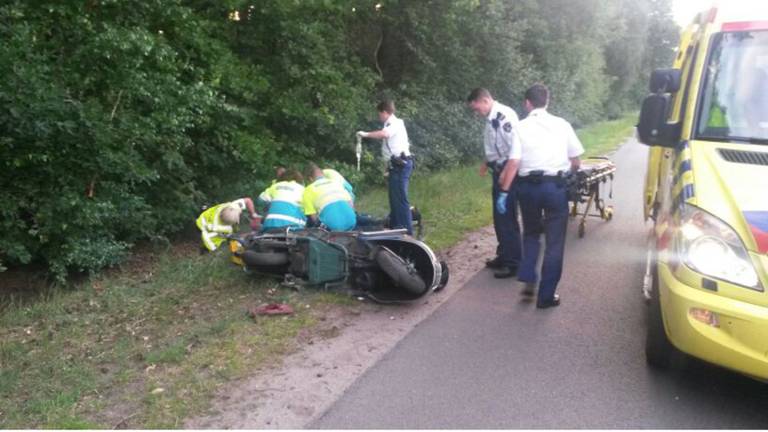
(444, 275)
(399, 271)
(264, 259)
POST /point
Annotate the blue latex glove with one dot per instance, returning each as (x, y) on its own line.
(501, 203)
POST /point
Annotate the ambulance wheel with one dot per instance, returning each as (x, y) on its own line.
(659, 351)
(609, 213)
(582, 229)
(401, 273)
(264, 259)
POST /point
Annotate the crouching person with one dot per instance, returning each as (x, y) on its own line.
(283, 201)
(218, 221)
(327, 202)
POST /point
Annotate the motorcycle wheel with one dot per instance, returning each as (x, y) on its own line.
(264, 259)
(400, 272)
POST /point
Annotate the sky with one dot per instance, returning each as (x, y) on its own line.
(685, 10)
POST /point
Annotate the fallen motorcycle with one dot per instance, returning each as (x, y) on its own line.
(387, 266)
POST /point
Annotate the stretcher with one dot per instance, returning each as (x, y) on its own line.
(584, 191)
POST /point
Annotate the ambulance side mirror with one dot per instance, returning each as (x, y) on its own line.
(653, 128)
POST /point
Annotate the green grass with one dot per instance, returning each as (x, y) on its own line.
(148, 346)
(603, 137)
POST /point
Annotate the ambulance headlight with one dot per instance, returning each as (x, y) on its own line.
(711, 247)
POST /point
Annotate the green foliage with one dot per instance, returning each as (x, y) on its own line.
(120, 119)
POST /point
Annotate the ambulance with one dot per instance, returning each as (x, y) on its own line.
(706, 195)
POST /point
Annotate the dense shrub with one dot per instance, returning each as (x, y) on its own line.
(120, 119)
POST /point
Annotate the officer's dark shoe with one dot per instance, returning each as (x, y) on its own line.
(505, 272)
(494, 263)
(529, 290)
(550, 303)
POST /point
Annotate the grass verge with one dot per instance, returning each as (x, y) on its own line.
(148, 346)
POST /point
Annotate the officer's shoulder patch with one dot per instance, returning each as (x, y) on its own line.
(507, 127)
(387, 125)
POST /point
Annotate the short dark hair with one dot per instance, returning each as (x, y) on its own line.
(538, 95)
(291, 174)
(478, 93)
(386, 105)
(309, 170)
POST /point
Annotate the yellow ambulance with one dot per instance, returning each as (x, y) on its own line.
(706, 194)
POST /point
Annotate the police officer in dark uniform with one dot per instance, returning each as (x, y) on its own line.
(500, 144)
(549, 150)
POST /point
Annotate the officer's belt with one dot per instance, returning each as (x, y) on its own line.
(540, 178)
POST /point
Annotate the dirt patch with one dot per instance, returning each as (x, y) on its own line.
(332, 356)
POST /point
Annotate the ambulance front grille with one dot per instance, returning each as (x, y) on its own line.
(745, 157)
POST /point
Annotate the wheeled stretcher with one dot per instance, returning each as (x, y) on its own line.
(584, 188)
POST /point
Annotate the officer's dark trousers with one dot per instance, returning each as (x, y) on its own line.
(507, 228)
(399, 207)
(544, 207)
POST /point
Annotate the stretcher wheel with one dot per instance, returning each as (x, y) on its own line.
(609, 213)
(582, 229)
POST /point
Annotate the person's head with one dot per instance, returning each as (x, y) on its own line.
(279, 171)
(291, 174)
(481, 101)
(537, 96)
(312, 172)
(230, 215)
(385, 109)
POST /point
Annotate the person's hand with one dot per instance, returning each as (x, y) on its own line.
(501, 202)
(483, 170)
(362, 134)
(255, 224)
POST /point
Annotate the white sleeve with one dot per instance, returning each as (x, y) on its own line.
(240, 203)
(511, 135)
(574, 145)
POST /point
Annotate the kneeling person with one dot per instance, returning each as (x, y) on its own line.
(218, 221)
(328, 201)
(284, 202)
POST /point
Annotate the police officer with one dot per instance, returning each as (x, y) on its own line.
(500, 144)
(396, 151)
(549, 149)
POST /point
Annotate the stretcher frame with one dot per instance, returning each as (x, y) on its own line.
(585, 188)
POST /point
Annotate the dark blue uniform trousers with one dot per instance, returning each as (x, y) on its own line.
(399, 207)
(544, 207)
(507, 228)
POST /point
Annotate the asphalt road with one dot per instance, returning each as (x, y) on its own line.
(488, 359)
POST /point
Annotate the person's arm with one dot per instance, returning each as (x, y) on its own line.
(508, 174)
(378, 134)
(251, 210)
(483, 169)
(575, 149)
(575, 164)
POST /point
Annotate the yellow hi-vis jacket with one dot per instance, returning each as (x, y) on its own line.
(211, 227)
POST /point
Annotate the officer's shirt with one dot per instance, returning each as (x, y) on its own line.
(500, 135)
(397, 141)
(547, 143)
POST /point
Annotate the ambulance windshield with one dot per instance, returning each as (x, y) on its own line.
(734, 104)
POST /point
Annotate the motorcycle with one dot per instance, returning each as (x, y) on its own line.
(387, 265)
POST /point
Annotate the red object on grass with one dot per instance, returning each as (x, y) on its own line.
(272, 309)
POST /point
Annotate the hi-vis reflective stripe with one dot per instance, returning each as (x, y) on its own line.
(682, 182)
(285, 218)
(208, 240)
